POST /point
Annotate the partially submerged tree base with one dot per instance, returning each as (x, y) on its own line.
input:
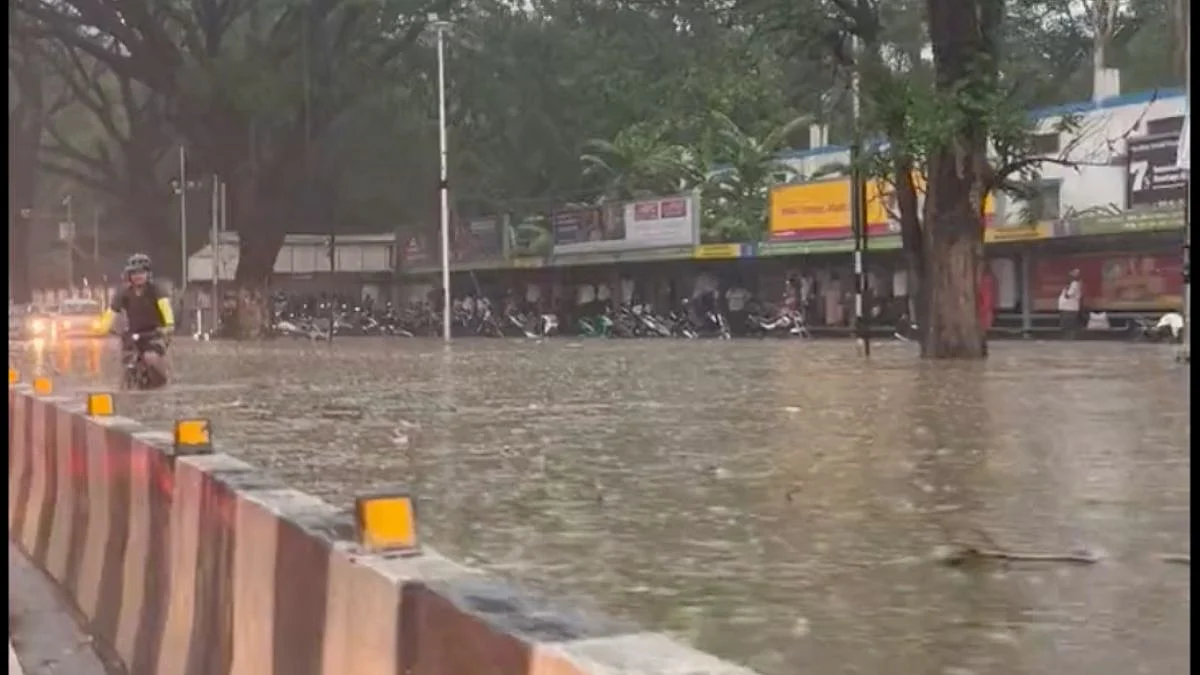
(251, 319)
(953, 253)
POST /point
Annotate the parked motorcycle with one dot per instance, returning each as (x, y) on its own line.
(787, 322)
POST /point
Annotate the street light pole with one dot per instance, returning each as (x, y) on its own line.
(70, 242)
(443, 182)
(215, 238)
(183, 224)
(858, 210)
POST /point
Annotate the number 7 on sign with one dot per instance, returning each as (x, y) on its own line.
(1140, 172)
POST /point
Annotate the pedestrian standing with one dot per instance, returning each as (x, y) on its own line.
(1070, 304)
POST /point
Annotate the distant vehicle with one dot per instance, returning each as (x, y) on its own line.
(77, 317)
(28, 321)
(16, 320)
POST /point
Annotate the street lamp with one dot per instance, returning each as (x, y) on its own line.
(440, 27)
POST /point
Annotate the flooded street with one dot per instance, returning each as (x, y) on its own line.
(783, 505)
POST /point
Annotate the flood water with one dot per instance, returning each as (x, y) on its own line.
(783, 505)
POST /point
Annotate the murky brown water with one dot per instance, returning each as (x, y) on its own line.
(775, 503)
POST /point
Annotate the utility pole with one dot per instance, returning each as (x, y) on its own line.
(215, 237)
(183, 224)
(858, 211)
(96, 238)
(443, 179)
(66, 232)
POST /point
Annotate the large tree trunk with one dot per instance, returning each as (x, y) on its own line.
(25, 121)
(149, 225)
(964, 51)
(260, 236)
(22, 184)
(953, 247)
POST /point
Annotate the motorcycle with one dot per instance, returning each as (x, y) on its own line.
(519, 321)
(546, 325)
(648, 323)
(595, 326)
(787, 322)
(681, 325)
(1169, 328)
(721, 327)
(486, 324)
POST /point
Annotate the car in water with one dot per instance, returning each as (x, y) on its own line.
(16, 321)
(77, 317)
(29, 321)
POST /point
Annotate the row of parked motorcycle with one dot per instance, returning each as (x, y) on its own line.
(313, 319)
(313, 322)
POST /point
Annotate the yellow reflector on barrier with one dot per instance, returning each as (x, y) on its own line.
(387, 522)
(42, 386)
(13, 376)
(100, 405)
(193, 437)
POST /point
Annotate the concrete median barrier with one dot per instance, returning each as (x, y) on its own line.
(204, 565)
(14, 666)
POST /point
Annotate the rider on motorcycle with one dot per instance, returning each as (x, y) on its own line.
(148, 314)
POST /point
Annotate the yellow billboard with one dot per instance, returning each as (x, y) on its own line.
(821, 210)
(999, 234)
(717, 251)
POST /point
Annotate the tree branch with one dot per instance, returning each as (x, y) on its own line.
(998, 176)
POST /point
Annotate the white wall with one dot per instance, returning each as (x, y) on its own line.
(1098, 181)
(1098, 150)
(302, 254)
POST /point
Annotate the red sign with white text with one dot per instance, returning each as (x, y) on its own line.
(1112, 281)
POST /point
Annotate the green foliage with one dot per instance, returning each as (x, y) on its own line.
(736, 189)
(549, 103)
(639, 162)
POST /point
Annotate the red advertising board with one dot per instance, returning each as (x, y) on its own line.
(1112, 281)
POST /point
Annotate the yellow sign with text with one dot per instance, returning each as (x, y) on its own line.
(822, 209)
(717, 251)
(819, 208)
(1004, 234)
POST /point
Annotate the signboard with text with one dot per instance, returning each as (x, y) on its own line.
(1112, 281)
(1155, 177)
(475, 239)
(529, 236)
(650, 223)
(821, 209)
(416, 251)
(577, 226)
(1158, 218)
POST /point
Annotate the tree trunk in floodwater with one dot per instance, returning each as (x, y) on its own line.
(953, 251)
(260, 236)
(965, 39)
(25, 121)
(21, 188)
